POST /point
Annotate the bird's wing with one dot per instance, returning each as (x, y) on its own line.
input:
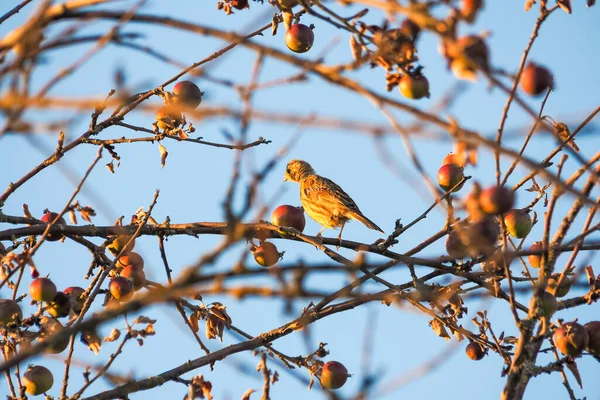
(323, 190)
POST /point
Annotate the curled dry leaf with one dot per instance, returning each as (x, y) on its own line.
(163, 155)
(288, 18)
(115, 334)
(26, 212)
(274, 24)
(194, 322)
(529, 4)
(590, 3)
(439, 329)
(565, 5)
(247, 394)
(92, 340)
(73, 217)
(144, 320)
(356, 48)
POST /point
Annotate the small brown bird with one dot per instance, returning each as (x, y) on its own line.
(323, 200)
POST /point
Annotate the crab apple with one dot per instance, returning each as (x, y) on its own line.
(50, 327)
(454, 159)
(42, 289)
(562, 289)
(74, 293)
(299, 38)
(474, 351)
(410, 29)
(333, 375)
(120, 244)
(536, 79)
(593, 330)
(450, 175)
(187, 95)
(121, 288)
(469, 9)
(60, 306)
(547, 304)
(37, 380)
(48, 217)
(135, 274)
(9, 311)
(571, 339)
(132, 258)
(414, 86)
(266, 254)
(289, 216)
(455, 246)
(496, 200)
(518, 223)
(483, 235)
(168, 117)
(535, 260)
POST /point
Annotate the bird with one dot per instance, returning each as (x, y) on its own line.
(324, 200)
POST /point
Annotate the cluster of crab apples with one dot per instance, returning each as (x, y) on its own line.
(186, 96)
(128, 277)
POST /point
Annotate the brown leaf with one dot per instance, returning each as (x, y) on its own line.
(573, 368)
(92, 340)
(194, 322)
(144, 320)
(26, 212)
(163, 155)
(529, 4)
(114, 335)
(565, 5)
(247, 394)
(73, 217)
(356, 48)
(439, 329)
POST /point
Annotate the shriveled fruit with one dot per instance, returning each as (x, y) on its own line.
(289, 216)
(547, 303)
(333, 375)
(168, 117)
(536, 79)
(10, 311)
(42, 289)
(571, 339)
(60, 306)
(266, 254)
(299, 38)
(187, 94)
(518, 223)
(136, 275)
(450, 175)
(593, 330)
(37, 380)
(132, 258)
(121, 288)
(414, 86)
(496, 200)
(456, 246)
(474, 351)
(74, 293)
(48, 217)
(535, 260)
(120, 243)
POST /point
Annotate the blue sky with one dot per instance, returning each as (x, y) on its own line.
(195, 179)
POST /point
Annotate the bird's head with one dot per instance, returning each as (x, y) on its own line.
(296, 170)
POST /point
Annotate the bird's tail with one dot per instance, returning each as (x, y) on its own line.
(365, 221)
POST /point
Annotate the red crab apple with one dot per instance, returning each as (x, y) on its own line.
(496, 200)
(74, 293)
(474, 351)
(37, 380)
(121, 288)
(135, 274)
(60, 306)
(455, 159)
(9, 311)
(289, 216)
(132, 258)
(518, 223)
(483, 235)
(168, 117)
(120, 243)
(455, 246)
(299, 38)
(535, 260)
(536, 79)
(561, 290)
(48, 217)
(571, 339)
(42, 289)
(187, 94)
(548, 304)
(266, 254)
(410, 29)
(414, 86)
(593, 330)
(333, 375)
(450, 175)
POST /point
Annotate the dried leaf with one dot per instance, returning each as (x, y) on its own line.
(115, 334)
(26, 212)
(562, 131)
(149, 331)
(73, 217)
(288, 18)
(573, 368)
(194, 322)
(274, 24)
(247, 394)
(590, 3)
(565, 5)
(356, 48)
(439, 329)
(311, 383)
(144, 320)
(275, 377)
(163, 155)
(529, 4)
(111, 167)
(140, 342)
